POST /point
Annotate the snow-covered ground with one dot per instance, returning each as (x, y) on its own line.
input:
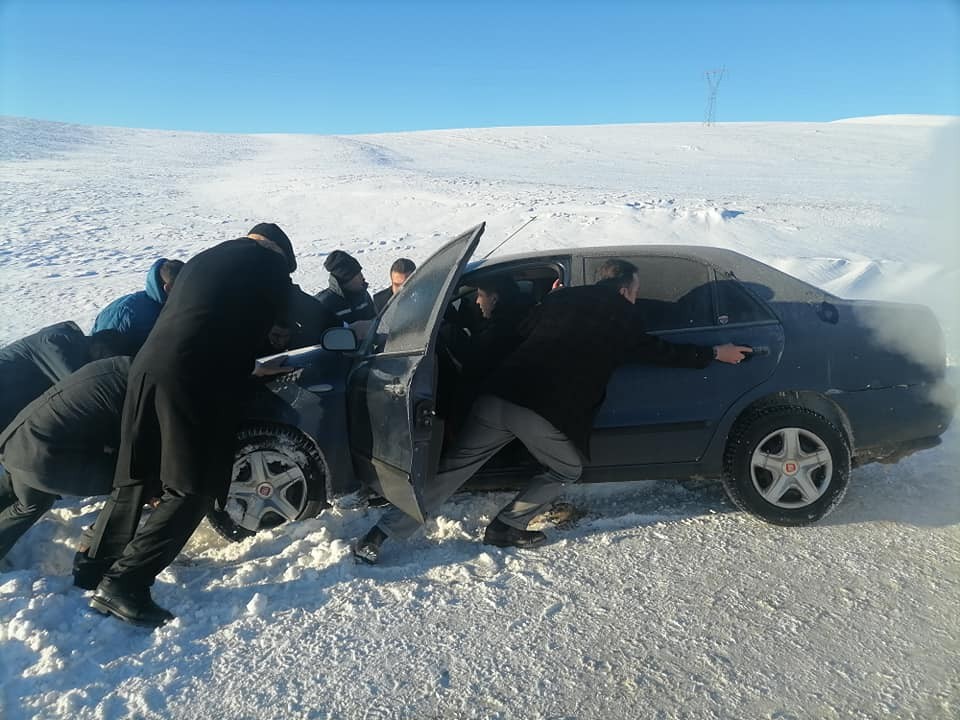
(663, 601)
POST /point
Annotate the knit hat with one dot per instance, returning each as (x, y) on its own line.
(342, 266)
(272, 232)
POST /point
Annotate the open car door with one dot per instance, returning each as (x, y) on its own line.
(395, 435)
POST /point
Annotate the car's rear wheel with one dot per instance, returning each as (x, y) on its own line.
(786, 465)
(278, 477)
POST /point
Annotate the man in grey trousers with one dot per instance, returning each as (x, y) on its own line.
(546, 394)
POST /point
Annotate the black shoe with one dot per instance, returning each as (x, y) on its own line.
(502, 535)
(132, 605)
(377, 501)
(88, 573)
(367, 549)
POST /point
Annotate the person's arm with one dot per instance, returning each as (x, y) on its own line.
(63, 353)
(657, 351)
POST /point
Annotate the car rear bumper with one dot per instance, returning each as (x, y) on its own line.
(890, 423)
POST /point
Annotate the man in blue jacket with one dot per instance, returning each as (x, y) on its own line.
(135, 314)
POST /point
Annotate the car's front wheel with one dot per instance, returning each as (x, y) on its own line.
(786, 465)
(278, 477)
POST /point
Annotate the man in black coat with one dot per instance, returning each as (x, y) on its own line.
(186, 388)
(546, 394)
(63, 443)
(32, 364)
(346, 298)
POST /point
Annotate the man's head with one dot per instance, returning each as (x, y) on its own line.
(399, 272)
(346, 271)
(621, 276)
(495, 291)
(168, 274)
(279, 337)
(271, 233)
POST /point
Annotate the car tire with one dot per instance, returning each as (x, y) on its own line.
(278, 476)
(786, 465)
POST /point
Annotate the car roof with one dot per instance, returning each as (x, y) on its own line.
(721, 256)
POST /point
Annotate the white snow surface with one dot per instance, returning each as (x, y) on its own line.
(663, 602)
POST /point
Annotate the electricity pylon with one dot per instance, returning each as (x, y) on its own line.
(713, 78)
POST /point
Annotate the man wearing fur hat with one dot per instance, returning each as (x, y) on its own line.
(346, 297)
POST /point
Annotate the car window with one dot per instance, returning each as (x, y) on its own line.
(675, 293)
(736, 305)
(405, 324)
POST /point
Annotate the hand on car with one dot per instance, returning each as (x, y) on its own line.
(732, 354)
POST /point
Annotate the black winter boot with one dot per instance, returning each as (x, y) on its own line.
(132, 605)
(502, 535)
(367, 549)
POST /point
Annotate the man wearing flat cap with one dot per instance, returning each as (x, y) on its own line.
(346, 297)
(184, 395)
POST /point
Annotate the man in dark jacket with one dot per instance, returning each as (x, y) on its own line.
(346, 298)
(184, 395)
(135, 314)
(477, 354)
(307, 318)
(399, 272)
(63, 443)
(546, 394)
(32, 364)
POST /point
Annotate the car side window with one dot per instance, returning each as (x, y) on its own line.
(736, 305)
(405, 325)
(675, 293)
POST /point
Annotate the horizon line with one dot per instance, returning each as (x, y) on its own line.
(866, 119)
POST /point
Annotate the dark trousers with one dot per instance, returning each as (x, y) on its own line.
(494, 422)
(140, 553)
(20, 507)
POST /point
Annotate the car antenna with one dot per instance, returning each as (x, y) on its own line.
(508, 237)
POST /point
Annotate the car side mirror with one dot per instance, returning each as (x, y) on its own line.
(339, 339)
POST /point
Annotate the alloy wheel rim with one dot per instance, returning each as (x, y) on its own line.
(791, 468)
(268, 488)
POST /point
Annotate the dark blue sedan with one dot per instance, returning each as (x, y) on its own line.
(831, 384)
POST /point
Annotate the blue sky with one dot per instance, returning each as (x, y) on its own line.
(362, 66)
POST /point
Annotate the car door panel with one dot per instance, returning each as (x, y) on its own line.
(657, 414)
(394, 433)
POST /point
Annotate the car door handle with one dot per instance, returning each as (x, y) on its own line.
(396, 389)
(756, 350)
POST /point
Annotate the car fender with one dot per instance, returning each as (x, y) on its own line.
(769, 393)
